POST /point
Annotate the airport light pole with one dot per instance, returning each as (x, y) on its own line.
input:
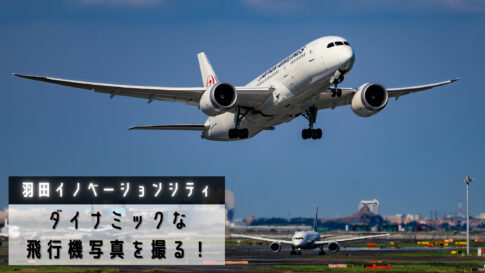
(467, 181)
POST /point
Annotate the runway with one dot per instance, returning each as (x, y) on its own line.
(259, 258)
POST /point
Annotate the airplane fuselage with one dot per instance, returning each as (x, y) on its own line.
(297, 80)
(305, 240)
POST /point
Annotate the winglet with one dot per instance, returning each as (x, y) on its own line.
(19, 75)
(209, 78)
(31, 77)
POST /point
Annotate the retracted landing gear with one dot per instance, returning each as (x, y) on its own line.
(311, 116)
(237, 132)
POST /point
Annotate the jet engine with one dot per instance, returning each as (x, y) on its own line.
(275, 246)
(334, 247)
(218, 99)
(369, 99)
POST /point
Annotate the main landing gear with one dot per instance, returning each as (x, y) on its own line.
(311, 133)
(237, 132)
(311, 116)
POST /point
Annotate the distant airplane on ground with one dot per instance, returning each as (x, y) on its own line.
(299, 85)
(308, 240)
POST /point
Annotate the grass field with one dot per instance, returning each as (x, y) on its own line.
(395, 268)
(445, 253)
(480, 263)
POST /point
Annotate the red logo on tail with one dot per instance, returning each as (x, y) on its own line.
(210, 81)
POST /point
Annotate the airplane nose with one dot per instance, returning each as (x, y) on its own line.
(347, 58)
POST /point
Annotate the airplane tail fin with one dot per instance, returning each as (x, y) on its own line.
(209, 78)
(316, 220)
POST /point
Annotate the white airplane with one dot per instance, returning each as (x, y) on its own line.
(301, 84)
(308, 240)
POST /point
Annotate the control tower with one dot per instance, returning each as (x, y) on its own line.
(373, 205)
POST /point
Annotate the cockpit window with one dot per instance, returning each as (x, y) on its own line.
(339, 43)
(330, 45)
(346, 43)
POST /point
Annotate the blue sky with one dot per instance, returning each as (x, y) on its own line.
(412, 156)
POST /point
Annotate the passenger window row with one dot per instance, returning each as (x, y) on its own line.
(337, 44)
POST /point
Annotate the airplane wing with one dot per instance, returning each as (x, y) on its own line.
(397, 92)
(349, 239)
(261, 238)
(327, 101)
(190, 127)
(247, 96)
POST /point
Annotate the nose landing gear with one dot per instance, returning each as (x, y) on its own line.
(321, 252)
(336, 92)
(337, 78)
(311, 116)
